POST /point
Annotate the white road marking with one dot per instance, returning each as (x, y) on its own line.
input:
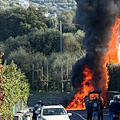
(79, 115)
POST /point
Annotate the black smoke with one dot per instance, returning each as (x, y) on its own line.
(97, 17)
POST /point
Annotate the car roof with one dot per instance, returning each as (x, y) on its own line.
(53, 106)
(118, 96)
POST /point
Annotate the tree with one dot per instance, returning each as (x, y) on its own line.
(67, 18)
(61, 64)
(15, 88)
(79, 35)
(114, 75)
(19, 21)
(2, 47)
(53, 23)
(39, 71)
(45, 41)
(2, 98)
(12, 44)
(22, 58)
(70, 44)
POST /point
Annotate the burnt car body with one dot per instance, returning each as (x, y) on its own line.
(92, 96)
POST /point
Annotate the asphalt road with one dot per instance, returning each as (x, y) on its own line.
(82, 115)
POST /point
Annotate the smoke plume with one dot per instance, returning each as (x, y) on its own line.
(97, 17)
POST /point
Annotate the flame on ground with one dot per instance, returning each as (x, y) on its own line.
(111, 55)
(77, 102)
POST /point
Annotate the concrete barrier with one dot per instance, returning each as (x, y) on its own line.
(50, 98)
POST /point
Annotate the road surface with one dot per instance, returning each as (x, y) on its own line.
(82, 115)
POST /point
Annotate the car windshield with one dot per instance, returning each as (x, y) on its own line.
(54, 111)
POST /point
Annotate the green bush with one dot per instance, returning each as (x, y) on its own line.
(15, 89)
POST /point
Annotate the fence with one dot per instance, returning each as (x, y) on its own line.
(46, 79)
(19, 106)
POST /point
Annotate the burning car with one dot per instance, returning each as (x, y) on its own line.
(93, 96)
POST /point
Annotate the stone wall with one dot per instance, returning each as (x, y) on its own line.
(50, 98)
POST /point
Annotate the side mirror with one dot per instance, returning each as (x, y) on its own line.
(69, 114)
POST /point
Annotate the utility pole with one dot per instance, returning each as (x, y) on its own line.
(42, 79)
(47, 76)
(62, 77)
(61, 42)
(61, 51)
(42, 73)
(37, 71)
(33, 75)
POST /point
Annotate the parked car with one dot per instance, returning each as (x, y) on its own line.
(117, 96)
(53, 112)
(18, 116)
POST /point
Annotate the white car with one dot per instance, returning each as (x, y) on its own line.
(53, 112)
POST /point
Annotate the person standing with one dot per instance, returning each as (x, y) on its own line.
(95, 109)
(39, 104)
(116, 108)
(37, 110)
(27, 117)
(34, 117)
(100, 109)
(110, 115)
(89, 108)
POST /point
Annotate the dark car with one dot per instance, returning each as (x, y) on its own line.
(93, 96)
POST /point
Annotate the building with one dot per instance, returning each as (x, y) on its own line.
(25, 3)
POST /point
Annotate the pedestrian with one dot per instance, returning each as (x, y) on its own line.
(116, 109)
(95, 109)
(100, 109)
(27, 117)
(34, 117)
(89, 108)
(110, 115)
(37, 110)
(39, 104)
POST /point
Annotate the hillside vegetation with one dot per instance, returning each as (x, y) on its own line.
(31, 39)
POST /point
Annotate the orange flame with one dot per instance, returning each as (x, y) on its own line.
(112, 52)
(77, 102)
(93, 96)
(111, 55)
(113, 46)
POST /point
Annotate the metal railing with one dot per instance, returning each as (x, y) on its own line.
(18, 107)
